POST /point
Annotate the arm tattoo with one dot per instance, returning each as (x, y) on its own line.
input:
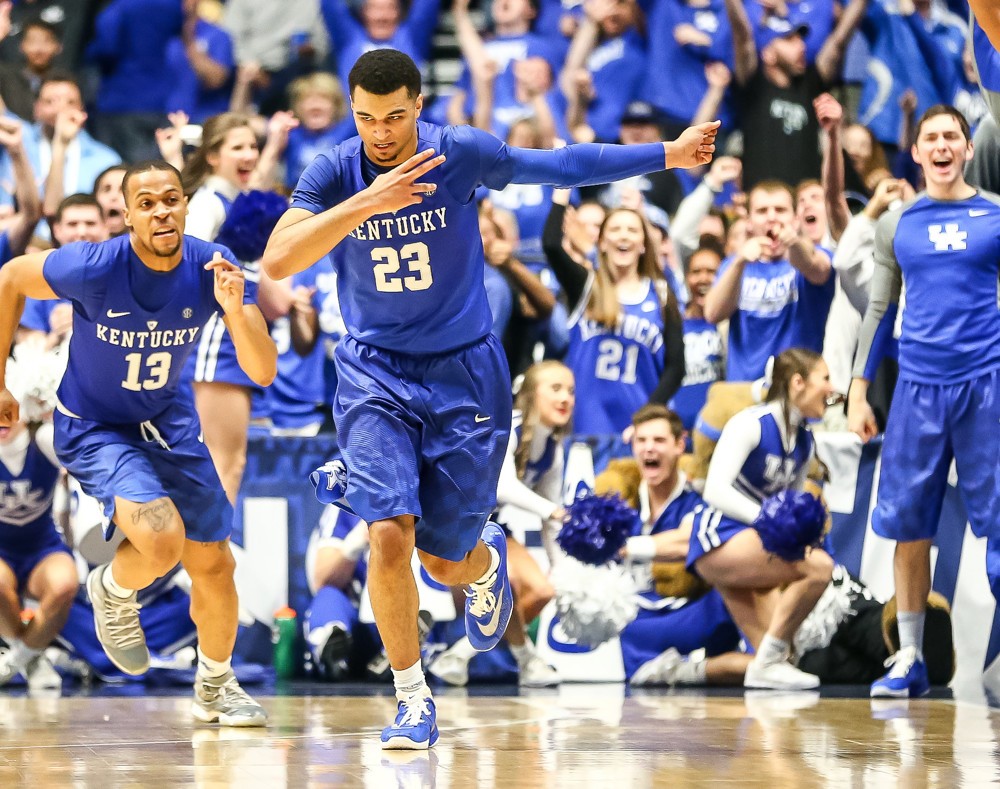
(156, 514)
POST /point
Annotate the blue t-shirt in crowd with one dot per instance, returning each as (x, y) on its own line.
(305, 145)
(703, 366)
(617, 67)
(188, 94)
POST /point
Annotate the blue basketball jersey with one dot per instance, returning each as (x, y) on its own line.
(770, 468)
(685, 502)
(133, 328)
(703, 366)
(26, 501)
(616, 369)
(412, 281)
(949, 255)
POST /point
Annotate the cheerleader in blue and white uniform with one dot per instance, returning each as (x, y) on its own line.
(223, 167)
(763, 450)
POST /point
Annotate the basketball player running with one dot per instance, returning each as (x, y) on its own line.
(423, 403)
(140, 302)
(945, 245)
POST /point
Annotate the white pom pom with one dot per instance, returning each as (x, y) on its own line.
(33, 376)
(594, 603)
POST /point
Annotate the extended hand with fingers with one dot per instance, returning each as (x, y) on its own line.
(401, 187)
(229, 283)
(695, 146)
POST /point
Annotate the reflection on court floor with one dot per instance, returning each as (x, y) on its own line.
(579, 736)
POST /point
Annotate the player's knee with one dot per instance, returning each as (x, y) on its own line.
(60, 593)
(391, 545)
(215, 561)
(442, 570)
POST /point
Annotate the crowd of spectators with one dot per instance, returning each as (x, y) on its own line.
(651, 289)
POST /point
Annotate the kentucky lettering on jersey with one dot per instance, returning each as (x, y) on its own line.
(146, 339)
(401, 226)
(133, 328)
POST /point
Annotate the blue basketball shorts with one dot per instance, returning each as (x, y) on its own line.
(23, 559)
(929, 425)
(685, 625)
(424, 435)
(710, 530)
(162, 458)
(214, 360)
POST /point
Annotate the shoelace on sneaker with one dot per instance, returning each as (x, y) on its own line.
(416, 708)
(229, 691)
(483, 599)
(900, 663)
(123, 621)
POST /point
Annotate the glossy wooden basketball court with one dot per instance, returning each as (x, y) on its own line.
(578, 736)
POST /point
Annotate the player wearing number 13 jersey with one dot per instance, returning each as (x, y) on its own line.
(423, 402)
(139, 304)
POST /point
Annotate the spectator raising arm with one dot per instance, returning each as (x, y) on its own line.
(831, 115)
(68, 125)
(211, 74)
(719, 76)
(25, 191)
(831, 55)
(744, 48)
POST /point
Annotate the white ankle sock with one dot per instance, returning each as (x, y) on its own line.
(21, 654)
(463, 648)
(522, 654)
(772, 650)
(911, 630)
(494, 566)
(212, 668)
(112, 586)
(410, 682)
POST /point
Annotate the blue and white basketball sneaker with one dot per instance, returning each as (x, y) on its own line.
(330, 482)
(488, 606)
(906, 679)
(415, 727)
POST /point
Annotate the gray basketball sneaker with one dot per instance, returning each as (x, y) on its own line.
(116, 621)
(222, 699)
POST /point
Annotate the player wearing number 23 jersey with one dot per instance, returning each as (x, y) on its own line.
(413, 300)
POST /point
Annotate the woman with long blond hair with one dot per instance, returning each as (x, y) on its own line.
(223, 167)
(626, 344)
(531, 479)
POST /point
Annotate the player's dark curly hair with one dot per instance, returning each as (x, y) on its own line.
(146, 166)
(384, 71)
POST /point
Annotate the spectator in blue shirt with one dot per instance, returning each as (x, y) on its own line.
(604, 69)
(202, 62)
(685, 36)
(318, 103)
(382, 24)
(817, 15)
(130, 47)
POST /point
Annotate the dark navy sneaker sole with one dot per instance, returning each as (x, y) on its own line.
(486, 629)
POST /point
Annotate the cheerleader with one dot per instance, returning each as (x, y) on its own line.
(763, 450)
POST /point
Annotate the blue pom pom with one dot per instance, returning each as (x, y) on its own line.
(249, 223)
(596, 528)
(789, 522)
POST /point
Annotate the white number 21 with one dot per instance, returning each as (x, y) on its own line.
(418, 264)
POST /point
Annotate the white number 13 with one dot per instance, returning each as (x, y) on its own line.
(418, 264)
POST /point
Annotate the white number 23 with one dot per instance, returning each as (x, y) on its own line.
(418, 265)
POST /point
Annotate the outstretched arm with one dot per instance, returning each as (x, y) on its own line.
(29, 206)
(831, 56)
(587, 164)
(987, 13)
